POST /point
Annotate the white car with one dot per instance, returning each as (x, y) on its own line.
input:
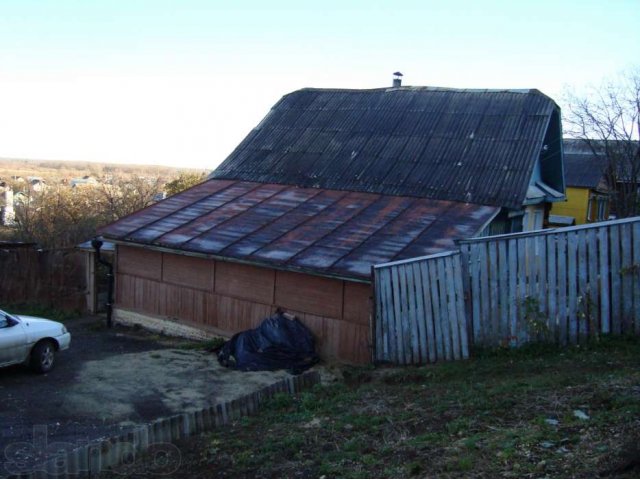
(31, 340)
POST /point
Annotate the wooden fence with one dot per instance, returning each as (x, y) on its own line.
(562, 285)
(51, 278)
(420, 310)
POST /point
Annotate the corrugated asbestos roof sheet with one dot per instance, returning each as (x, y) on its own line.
(329, 232)
(475, 146)
(584, 170)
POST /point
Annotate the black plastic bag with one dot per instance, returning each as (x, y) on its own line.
(277, 343)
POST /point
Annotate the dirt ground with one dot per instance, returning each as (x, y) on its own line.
(109, 380)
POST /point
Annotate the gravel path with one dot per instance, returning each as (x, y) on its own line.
(108, 381)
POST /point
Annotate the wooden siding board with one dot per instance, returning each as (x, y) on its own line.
(357, 302)
(306, 293)
(248, 282)
(188, 271)
(139, 262)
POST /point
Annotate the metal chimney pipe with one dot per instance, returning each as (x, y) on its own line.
(397, 80)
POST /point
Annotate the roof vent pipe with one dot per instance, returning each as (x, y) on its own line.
(397, 80)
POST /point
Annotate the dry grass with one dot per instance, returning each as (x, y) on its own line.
(503, 414)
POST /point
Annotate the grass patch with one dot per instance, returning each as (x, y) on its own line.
(502, 414)
(209, 345)
(36, 310)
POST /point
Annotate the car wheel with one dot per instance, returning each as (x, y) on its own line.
(42, 356)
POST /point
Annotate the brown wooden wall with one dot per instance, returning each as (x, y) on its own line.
(225, 298)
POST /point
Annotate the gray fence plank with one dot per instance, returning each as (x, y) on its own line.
(521, 332)
(428, 308)
(572, 292)
(552, 286)
(453, 310)
(586, 280)
(636, 276)
(444, 310)
(413, 314)
(459, 291)
(474, 268)
(614, 267)
(503, 268)
(485, 321)
(605, 281)
(592, 290)
(421, 320)
(494, 314)
(563, 330)
(626, 275)
(513, 291)
(437, 315)
(541, 267)
(388, 319)
(583, 298)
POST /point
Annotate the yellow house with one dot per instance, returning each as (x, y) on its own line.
(587, 198)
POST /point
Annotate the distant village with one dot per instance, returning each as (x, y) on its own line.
(16, 190)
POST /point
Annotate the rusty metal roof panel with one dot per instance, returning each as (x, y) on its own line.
(328, 232)
(474, 128)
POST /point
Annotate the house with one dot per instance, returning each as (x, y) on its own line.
(330, 183)
(7, 213)
(587, 190)
(36, 184)
(83, 182)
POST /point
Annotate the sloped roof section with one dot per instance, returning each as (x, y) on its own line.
(477, 146)
(329, 232)
(584, 170)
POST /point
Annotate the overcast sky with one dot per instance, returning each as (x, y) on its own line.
(182, 82)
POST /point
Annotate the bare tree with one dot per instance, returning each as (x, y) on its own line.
(607, 120)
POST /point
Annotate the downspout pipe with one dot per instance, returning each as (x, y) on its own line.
(96, 243)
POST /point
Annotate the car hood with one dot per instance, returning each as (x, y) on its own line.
(40, 324)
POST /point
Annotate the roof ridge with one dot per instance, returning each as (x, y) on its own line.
(414, 88)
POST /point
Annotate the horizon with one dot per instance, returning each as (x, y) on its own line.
(180, 84)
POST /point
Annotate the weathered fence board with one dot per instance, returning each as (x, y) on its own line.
(426, 310)
(563, 285)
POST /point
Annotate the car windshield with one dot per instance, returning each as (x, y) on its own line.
(6, 319)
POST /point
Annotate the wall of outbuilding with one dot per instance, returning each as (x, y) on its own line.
(222, 297)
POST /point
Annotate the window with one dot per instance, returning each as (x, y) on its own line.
(597, 210)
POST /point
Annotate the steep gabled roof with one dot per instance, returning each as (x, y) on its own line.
(326, 232)
(477, 146)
